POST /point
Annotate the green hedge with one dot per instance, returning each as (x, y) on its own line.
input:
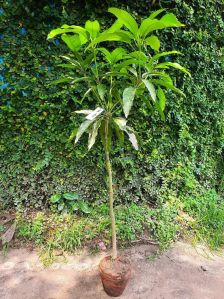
(176, 159)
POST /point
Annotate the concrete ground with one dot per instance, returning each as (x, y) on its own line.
(183, 272)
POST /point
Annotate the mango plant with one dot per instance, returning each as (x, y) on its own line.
(116, 77)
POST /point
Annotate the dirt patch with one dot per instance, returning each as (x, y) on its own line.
(182, 272)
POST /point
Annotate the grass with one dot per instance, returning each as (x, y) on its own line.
(199, 218)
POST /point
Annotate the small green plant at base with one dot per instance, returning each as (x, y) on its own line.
(70, 202)
(32, 229)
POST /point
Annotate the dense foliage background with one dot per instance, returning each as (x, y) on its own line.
(178, 159)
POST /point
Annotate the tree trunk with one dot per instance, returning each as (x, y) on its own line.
(111, 193)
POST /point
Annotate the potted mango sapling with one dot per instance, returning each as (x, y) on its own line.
(115, 77)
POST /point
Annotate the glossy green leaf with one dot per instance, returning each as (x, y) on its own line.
(83, 206)
(72, 41)
(55, 198)
(162, 98)
(93, 28)
(116, 36)
(170, 20)
(93, 133)
(168, 85)
(125, 18)
(174, 65)
(84, 126)
(156, 13)
(71, 196)
(153, 42)
(150, 88)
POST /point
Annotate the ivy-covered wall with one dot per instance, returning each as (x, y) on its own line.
(177, 158)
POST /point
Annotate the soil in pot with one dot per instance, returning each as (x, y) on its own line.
(115, 274)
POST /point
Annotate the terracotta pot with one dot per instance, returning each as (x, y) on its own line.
(114, 275)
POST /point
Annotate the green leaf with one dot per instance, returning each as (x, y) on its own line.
(93, 28)
(71, 196)
(121, 123)
(157, 56)
(106, 53)
(153, 42)
(170, 20)
(150, 88)
(72, 41)
(140, 56)
(125, 18)
(84, 207)
(148, 25)
(74, 206)
(174, 65)
(55, 198)
(101, 90)
(156, 13)
(168, 85)
(68, 29)
(115, 26)
(93, 133)
(162, 98)
(116, 36)
(73, 134)
(84, 126)
(117, 54)
(128, 98)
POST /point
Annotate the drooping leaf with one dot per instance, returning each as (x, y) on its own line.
(95, 113)
(101, 90)
(72, 41)
(174, 65)
(69, 29)
(162, 98)
(121, 123)
(93, 28)
(84, 126)
(73, 134)
(153, 42)
(168, 85)
(157, 56)
(55, 198)
(125, 18)
(93, 133)
(71, 195)
(128, 98)
(150, 88)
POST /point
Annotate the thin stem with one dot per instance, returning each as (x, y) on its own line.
(111, 193)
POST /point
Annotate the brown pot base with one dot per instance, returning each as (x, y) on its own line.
(114, 275)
